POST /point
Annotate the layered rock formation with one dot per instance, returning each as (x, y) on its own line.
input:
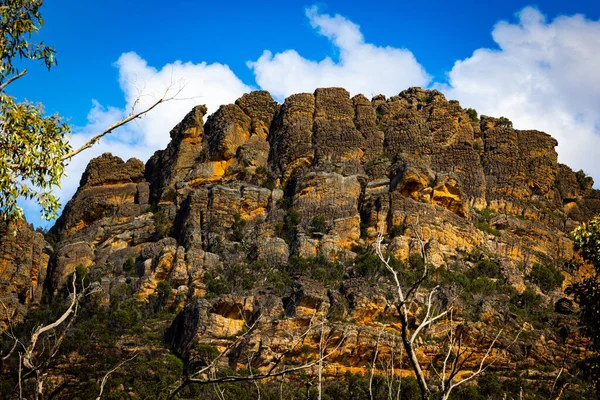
(24, 257)
(319, 175)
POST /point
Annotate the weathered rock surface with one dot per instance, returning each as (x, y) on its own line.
(24, 257)
(320, 175)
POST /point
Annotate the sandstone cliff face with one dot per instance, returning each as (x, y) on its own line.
(319, 175)
(24, 256)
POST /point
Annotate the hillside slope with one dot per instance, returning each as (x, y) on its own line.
(266, 216)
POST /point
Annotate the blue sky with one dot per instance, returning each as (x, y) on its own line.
(538, 67)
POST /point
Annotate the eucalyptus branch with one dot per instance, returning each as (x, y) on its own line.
(12, 79)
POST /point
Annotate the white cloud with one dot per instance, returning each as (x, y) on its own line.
(362, 67)
(545, 76)
(210, 84)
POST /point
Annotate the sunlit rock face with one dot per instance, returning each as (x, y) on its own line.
(261, 185)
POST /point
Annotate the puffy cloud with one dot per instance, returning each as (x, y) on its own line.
(546, 76)
(210, 84)
(142, 85)
(362, 67)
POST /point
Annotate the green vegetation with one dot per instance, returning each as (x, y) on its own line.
(34, 147)
(318, 225)
(472, 113)
(486, 214)
(169, 195)
(288, 228)
(237, 229)
(586, 293)
(364, 230)
(583, 180)
(236, 279)
(504, 122)
(265, 178)
(397, 230)
(130, 267)
(318, 268)
(162, 224)
(369, 266)
(485, 268)
(483, 223)
(487, 228)
(546, 277)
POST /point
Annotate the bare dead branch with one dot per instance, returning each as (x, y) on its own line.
(272, 372)
(28, 355)
(132, 116)
(375, 354)
(105, 378)
(10, 333)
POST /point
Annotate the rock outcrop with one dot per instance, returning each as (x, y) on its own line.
(24, 257)
(262, 185)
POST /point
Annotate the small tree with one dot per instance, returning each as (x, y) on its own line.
(586, 293)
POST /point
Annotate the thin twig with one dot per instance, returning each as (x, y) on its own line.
(105, 378)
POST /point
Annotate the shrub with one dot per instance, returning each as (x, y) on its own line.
(364, 230)
(472, 113)
(162, 225)
(486, 214)
(529, 299)
(238, 227)
(240, 278)
(487, 229)
(163, 290)
(206, 352)
(288, 228)
(547, 278)
(445, 277)
(215, 283)
(485, 268)
(169, 195)
(235, 278)
(583, 180)
(483, 285)
(397, 230)
(368, 266)
(130, 266)
(318, 225)
(504, 122)
(318, 268)
(279, 280)
(490, 387)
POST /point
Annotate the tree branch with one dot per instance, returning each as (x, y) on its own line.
(105, 379)
(12, 79)
(133, 115)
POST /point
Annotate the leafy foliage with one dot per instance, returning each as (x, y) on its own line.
(487, 229)
(32, 145)
(504, 122)
(318, 268)
(288, 228)
(472, 113)
(587, 293)
(237, 228)
(318, 225)
(583, 180)
(546, 277)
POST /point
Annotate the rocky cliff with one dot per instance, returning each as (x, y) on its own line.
(265, 213)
